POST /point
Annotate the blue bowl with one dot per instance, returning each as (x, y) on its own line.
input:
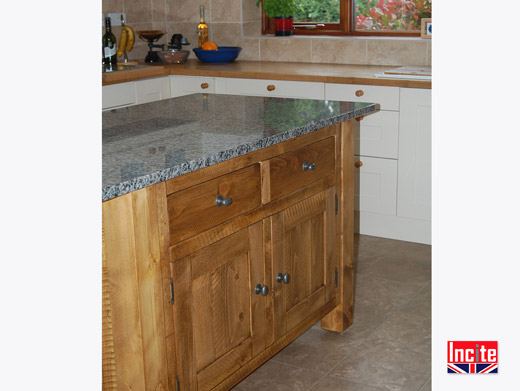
(222, 54)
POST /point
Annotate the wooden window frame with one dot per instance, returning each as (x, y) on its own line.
(344, 28)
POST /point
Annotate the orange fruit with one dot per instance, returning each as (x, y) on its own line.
(209, 46)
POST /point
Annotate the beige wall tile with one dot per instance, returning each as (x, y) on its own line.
(339, 51)
(396, 52)
(112, 6)
(186, 11)
(158, 11)
(228, 34)
(285, 49)
(429, 54)
(252, 29)
(250, 12)
(138, 11)
(225, 11)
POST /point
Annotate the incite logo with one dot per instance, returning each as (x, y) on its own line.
(472, 357)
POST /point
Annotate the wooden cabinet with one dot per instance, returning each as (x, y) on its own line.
(197, 296)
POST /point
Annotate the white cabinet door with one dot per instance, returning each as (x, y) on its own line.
(185, 85)
(115, 95)
(150, 90)
(276, 88)
(415, 155)
(386, 97)
(377, 135)
(375, 186)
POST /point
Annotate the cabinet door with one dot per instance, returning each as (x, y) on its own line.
(304, 247)
(185, 85)
(151, 90)
(115, 95)
(415, 154)
(276, 88)
(218, 316)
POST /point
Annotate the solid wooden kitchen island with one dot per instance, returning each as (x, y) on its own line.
(227, 232)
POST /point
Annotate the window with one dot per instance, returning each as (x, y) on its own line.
(357, 17)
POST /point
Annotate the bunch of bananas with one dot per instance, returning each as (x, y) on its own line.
(126, 41)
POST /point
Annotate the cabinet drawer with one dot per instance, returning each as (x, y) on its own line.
(376, 185)
(195, 209)
(276, 88)
(152, 90)
(185, 85)
(378, 135)
(387, 97)
(121, 94)
(296, 169)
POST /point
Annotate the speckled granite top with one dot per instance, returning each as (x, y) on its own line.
(153, 142)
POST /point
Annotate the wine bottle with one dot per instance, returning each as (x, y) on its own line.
(202, 28)
(109, 45)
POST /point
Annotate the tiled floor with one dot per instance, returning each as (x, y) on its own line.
(387, 347)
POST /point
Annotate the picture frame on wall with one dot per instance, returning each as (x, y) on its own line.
(426, 28)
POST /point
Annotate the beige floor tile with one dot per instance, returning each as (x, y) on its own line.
(329, 383)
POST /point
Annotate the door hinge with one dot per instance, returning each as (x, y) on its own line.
(171, 290)
(336, 204)
(178, 384)
(336, 276)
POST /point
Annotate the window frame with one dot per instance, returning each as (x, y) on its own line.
(345, 27)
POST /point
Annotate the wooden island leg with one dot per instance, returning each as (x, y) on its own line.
(341, 317)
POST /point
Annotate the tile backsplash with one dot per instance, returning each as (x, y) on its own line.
(238, 23)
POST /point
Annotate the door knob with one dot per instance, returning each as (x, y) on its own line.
(264, 290)
(360, 93)
(204, 86)
(358, 164)
(271, 87)
(286, 278)
(221, 201)
(309, 166)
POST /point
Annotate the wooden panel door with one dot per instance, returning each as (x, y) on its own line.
(218, 316)
(304, 247)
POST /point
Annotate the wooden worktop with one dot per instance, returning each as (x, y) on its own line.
(326, 73)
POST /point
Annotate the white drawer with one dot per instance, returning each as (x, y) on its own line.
(376, 185)
(185, 85)
(276, 88)
(122, 94)
(377, 135)
(387, 97)
(150, 90)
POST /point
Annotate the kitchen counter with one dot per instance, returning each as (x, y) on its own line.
(153, 142)
(316, 72)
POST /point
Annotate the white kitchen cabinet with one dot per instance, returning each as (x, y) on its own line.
(275, 88)
(415, 154)
(151, 90)
(375, 185)
(386, 97)
(185, 85)
(377, 135)
(116, 95)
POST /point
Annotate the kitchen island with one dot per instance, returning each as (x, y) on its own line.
(227, 232)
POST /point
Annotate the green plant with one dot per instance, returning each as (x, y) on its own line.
(283, 8)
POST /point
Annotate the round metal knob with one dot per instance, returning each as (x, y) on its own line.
(360, 93)
(286, 278)
(308, 166)
(221, 201)
(264, 290)
(204, 86)
(271, 87)
(358, 164)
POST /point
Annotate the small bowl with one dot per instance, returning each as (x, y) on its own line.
(150, 34)
(174, 56)
(222, 54)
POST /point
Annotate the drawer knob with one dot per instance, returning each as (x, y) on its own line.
(204, 86)
(286, 278)
(360, 93)
(271, 87)
(264, 290)
(308, 166)
(358, 164)
(360, 118)
(221, 201)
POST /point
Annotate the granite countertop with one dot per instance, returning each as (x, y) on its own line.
(153, 142)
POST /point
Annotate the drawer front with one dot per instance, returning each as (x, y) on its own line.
(152, 90)
(287, 172)
(185, 85)
(122, 94)
(195, 209)
(387, 97)
(276, 88)
(377, 135)
(376, 185)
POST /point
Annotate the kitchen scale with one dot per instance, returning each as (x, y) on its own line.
(152, 36)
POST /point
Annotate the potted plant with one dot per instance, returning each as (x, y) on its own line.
(282, 11)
